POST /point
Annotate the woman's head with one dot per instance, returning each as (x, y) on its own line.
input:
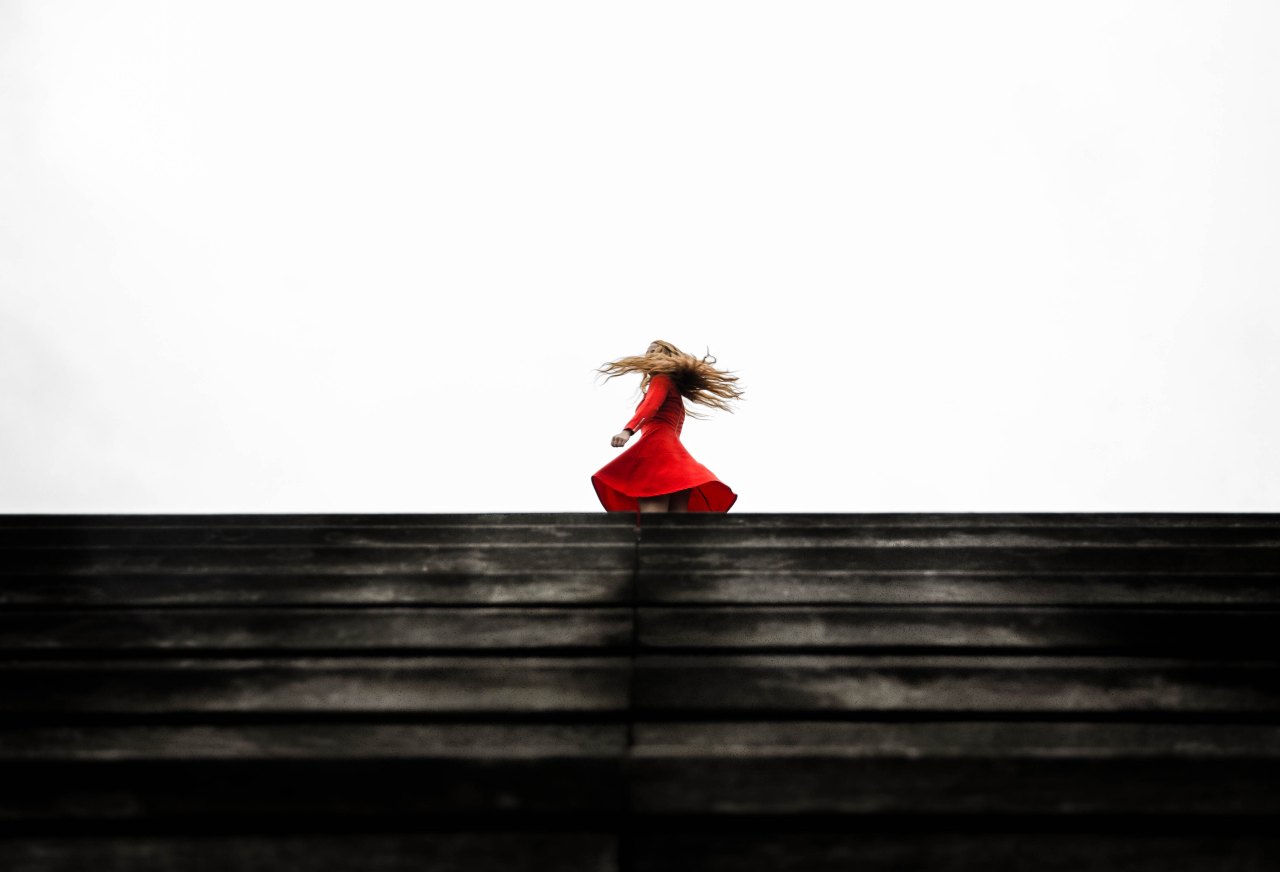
(666, 349)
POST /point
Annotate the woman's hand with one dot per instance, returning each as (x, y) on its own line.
(621, 438)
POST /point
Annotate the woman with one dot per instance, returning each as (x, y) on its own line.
(657, 474)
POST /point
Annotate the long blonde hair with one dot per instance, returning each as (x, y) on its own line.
(696, 379)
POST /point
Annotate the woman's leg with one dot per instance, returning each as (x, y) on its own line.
(659, 503)
(680, 500)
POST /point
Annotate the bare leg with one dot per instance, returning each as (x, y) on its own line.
(680, 500)
(659, 503)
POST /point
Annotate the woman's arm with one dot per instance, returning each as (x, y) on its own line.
(658, 387)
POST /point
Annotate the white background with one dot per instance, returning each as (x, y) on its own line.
(307, 256)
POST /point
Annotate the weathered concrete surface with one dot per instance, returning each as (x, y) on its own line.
(547, 691)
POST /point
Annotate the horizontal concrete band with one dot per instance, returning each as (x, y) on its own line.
(693, 684)
(650, 847)
(685, 560)
(696, 533)
(620, 587)
(755, 520)
(1211, 631)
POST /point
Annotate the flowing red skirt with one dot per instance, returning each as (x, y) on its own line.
(657, 463)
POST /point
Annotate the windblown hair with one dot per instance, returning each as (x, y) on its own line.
(696, 379)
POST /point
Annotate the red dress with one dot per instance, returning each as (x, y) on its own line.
(657, 463)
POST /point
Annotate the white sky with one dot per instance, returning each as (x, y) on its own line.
(308, 256)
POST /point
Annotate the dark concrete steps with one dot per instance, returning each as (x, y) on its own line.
(554, 691)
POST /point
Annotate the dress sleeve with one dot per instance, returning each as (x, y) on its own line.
(657, 392)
